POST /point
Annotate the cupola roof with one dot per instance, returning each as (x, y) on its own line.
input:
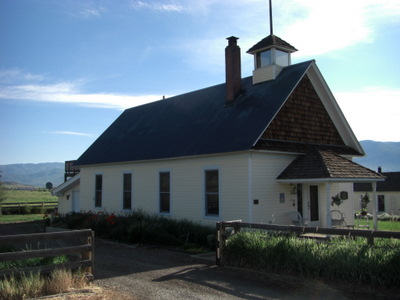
(269, 42)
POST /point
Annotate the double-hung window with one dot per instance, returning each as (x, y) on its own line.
(127, 191)
(212, 192)
(98, 190)
(165, 192)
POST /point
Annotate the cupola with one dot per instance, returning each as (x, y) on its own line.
(271, 55)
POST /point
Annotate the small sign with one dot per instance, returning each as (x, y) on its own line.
(344, 195)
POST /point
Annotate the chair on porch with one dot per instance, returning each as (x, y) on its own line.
(296, 218)
(337, 218)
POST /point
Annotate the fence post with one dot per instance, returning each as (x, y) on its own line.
(220, 242)
(89, 255)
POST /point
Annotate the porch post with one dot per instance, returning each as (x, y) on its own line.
(375, 205)
(328, 203)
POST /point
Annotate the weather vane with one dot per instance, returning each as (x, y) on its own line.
(270, 18)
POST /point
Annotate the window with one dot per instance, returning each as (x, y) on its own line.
(165, 192)
(264, 59)
(381, 202)
(127, 191)
(282, 58)
(98, 190)
(212, 192)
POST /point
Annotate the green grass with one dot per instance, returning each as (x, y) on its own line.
(20, 218)
(29, 196)
(382, 225)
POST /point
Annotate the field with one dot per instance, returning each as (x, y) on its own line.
(39, 195)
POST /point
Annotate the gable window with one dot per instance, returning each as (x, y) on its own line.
(98, 190)
(212, 192)
(165, 192)
(127, 191)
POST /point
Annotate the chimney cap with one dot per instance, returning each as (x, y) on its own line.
(232, 40)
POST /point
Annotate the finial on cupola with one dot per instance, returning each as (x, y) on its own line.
(271, 55)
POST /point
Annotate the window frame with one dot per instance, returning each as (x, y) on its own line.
(164, 193)
(98, 190)
(127, 191)
(207, 193)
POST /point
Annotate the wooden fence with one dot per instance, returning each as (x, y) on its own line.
(78, 244)
(317, 232)
(20, 205)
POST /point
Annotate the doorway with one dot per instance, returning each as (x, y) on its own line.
(313, 204)
(75, 201)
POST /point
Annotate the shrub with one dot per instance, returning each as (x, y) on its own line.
(141, 228)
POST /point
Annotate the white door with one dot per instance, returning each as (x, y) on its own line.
(75, 201)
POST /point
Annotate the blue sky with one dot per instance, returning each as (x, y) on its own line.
(69, 68)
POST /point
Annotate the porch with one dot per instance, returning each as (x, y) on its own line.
(323, 182)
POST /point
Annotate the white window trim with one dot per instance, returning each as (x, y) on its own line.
(205, 215)
(122, 189)
(165, 213)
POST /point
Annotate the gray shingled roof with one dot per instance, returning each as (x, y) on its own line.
(269, 41)
(326, 164)
(195, 123)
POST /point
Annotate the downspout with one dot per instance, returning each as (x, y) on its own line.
(328, 208)
(375, 206)
(250, 186)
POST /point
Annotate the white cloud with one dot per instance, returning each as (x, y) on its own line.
(317, 27)
(158, 6)
(17, 75)
(67, 92)
(373, 113)
(71, 133)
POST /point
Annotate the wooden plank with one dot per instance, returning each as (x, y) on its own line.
(44, 252)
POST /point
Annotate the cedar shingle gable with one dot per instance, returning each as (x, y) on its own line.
(304, 119)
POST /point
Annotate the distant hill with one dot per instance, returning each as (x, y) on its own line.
(380, 154)
(36, 175)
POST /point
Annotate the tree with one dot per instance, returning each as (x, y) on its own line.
(3, 196)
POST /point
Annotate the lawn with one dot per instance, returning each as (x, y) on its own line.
(29, 196)
(382, 225)
(20, 218)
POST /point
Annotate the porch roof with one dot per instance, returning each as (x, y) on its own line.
(60, 190)
(326, 165)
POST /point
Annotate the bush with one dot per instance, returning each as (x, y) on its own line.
(140, 227)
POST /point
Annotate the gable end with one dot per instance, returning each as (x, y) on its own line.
(303, 118)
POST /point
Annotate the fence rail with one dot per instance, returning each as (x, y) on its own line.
(237, 225)
(19, 205)
(79, 242)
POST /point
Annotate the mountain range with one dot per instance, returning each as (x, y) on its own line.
(378, 154)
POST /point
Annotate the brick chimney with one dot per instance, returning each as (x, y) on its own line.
(233, 70)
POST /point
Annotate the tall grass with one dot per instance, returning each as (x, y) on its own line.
(338, 259)
(34, 285)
